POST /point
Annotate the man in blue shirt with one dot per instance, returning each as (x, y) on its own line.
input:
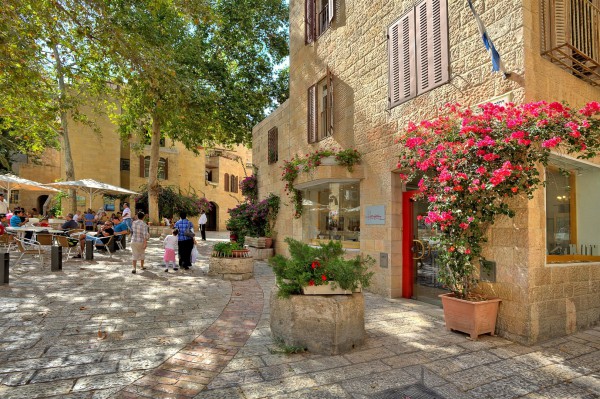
(121, 228)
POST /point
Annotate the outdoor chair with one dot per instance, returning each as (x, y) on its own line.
(67, 246)
(107, 245)
(44, 239)
(119, 239)
(7, 241)
(30, 247)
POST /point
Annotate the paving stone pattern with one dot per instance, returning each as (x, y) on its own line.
(187, 335)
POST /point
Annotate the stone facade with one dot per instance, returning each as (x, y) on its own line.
(100, 156)
(540, 300)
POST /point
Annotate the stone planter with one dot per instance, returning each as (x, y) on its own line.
(323, 324)
(473, 318)
(255, 242)
(231, 268)
(327, 289)
(329, 161)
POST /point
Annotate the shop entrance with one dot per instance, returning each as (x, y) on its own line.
(420, 266)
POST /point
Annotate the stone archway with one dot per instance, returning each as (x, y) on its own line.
(212, 218)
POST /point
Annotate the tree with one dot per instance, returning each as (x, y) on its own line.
(53, 61)
(198, 72)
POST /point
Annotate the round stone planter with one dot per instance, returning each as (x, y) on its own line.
(231, 268)
(323, 324)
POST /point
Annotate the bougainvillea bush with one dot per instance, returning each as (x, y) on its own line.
(469, 163)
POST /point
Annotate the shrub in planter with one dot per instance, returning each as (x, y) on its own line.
(310, 266)
(225, 249)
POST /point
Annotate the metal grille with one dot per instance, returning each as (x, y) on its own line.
(414, 391)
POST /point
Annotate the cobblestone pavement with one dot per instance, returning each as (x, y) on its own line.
(187, 335)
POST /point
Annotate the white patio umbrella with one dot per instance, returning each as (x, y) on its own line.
(10, 182)
(91, 187)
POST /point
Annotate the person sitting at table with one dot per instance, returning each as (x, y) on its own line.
(120, 227)
(99, 241)
(18, 220)
(2, 223)
(70, 224)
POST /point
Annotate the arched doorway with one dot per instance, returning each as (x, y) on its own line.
(41, 200)
(211, 222)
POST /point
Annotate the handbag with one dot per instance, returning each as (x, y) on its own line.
(189, 233)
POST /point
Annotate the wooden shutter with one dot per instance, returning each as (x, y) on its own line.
(401, 54)
(226, 182)
(310, 21)
(431, 26)
(312, 114)
(329, 131)
(142, 166)
(166, 167)
(273, 146)
(331, 10)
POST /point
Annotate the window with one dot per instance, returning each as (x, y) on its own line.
(571, 38)
(418, 51)
(318, 17)
(226, 182)
(124, 164)
(320, 109)
(14, 197)
(273, 146)
(163, 167)
(572, 195)
(332, 212)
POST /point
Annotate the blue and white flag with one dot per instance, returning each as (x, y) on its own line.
(497, 65)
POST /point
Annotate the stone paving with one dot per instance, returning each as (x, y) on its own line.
(187, 335)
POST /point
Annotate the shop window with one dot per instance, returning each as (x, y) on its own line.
(318, 17)
(418, 51)
(320, 109)
(572, 195)
(331, 211)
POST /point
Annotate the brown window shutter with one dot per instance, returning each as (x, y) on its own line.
(312, 114)
(401, 54)
(431, 26)
(309, 18)
(330, 102)
(331, 10)
(226, 181)
(166, 168)
(273, 146)
(142, 166)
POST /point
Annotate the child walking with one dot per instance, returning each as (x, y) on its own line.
(170, 244)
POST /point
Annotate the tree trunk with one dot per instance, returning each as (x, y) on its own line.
(153, 186)
(66, 146)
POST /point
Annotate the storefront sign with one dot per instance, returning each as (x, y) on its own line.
(375, 214)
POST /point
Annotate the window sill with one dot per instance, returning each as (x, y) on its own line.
(571, 260)
(347, 245)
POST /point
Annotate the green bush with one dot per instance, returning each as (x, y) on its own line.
(225, 249)
(308, 265)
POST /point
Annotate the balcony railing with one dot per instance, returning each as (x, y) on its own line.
(571, 36)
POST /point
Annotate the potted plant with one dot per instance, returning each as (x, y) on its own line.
(230, 261)
(328, 322)
(469, 167)
(325, 265)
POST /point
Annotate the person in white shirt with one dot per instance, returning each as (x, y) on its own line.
(127, 215)
(202, 222)
(3, 204)
(170, 244)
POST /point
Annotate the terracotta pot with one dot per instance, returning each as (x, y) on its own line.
(473, 318)
(268, 242)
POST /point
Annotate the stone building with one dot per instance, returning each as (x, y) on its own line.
(214, 173)
(361, 70)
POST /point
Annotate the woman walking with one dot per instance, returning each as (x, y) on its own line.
(139, 241)
(185, 240)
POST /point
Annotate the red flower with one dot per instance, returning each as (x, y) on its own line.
(323, 277)
(311, 282)
(315, 264)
